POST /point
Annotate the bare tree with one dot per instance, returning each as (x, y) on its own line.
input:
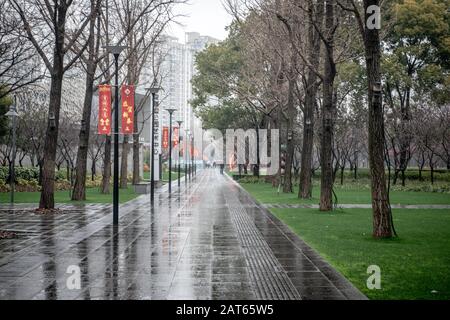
(18, 64)
(54, 30)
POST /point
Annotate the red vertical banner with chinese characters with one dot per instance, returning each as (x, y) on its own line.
(165, 138)
(175, 136)
(104, 112)
(127, 93)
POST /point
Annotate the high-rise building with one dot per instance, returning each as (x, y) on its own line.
(172, 70)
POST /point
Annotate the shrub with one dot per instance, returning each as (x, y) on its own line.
(96, 183)
(21, 173)
(61, 175)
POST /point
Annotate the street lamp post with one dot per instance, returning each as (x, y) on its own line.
(12, 173)
(115, 51)
(180, 122)
(188, 143)
(192, 156)
(170, 111)
(186, 155)
(153, 91)
(194, 160)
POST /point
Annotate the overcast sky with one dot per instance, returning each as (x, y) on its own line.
(208, 17)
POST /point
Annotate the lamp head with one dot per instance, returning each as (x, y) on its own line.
(115, 50)
(12, 112)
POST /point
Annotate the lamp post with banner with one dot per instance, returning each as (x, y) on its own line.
(115, 51)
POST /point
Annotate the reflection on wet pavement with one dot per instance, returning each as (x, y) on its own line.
(209, 240)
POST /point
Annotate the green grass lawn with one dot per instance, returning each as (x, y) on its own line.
(412, 266)
(264, 193)
(93, 196)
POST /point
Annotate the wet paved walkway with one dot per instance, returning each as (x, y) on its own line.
(210, 240)
(356, 206)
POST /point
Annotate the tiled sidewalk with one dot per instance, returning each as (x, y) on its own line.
(210, 240)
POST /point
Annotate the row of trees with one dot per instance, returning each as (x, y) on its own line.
(318, 71)
(31, 128)
(65, 39)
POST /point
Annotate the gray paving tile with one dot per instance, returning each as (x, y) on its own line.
(210, 240)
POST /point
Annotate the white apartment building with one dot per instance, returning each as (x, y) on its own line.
(174, 76)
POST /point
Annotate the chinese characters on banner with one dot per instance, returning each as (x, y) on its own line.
(127, 93)
(104, 113)
(165, 138)
(175, 136)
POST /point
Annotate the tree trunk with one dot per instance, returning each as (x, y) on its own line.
(382, 215)
(287, 185)
(405, 136)
(67, 170)
(305, 183)
(136, 162)
(40, 173)
(93, 169)
(258, 161)
(47, 200)
(124, 163)
(326, 152)
(394, 182)
(79, 189)
(106, 166)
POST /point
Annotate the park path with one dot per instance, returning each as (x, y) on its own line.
(209, 240)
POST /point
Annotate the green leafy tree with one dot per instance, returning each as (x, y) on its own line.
(5, 102)
(224, 95)
(416, 63)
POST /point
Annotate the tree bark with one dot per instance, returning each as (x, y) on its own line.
(124, 163)
(79, 189)
(305, 187)
(47, 200)
(93, 169)
(326, 185)
(382, 215)
(106, 166)
(136, 160)
(405, 135)
(287, 185)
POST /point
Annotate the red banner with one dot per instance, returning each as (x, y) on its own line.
(175, 136)
(127, 93)
(165, 137)
(104, 112)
